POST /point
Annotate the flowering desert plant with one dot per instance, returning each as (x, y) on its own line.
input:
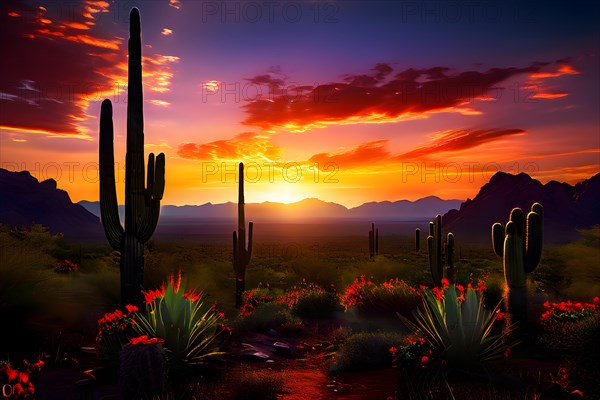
(311, 301)
(142, 372)
(457, 324)
(186, 323)
(570, 326)
(394, 295)
(114, 331)
(17, 383)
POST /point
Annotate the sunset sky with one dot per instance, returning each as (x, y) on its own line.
(344, 101)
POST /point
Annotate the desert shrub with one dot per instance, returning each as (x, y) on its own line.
(570, 327)
(410, 352)
(364, 351)
(259, 384)
(393, 296)
(254, 297)
(264, 317)
(114, 331)
(308, 300)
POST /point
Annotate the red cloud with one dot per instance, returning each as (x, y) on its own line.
(366, 153)
(460, 139)
(373, 98)
(59, 70)
(247, 145)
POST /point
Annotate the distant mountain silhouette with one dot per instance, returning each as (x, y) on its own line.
(566, 208)
(25, 201)
(308, 210)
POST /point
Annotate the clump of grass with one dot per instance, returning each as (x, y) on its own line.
(364, 351)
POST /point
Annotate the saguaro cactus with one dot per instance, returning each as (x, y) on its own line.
(241, 253)
(520, 244)
(417, 240)
(142, 204)
(435, 248)
(373, 241)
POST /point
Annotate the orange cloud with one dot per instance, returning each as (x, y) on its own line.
(366, 153)
(378, 97)
(54, 99)
(460, 139)
(167, 31)
(245, 146)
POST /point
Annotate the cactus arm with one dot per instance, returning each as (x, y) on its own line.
(514, 271)
(435, 272)
(249, 251)
(377, 241)
(450, 257)
(235, 253)
(498, 239)
(533, 252)
(417, 240)
(438, 244)
(431, 229)
(109, 208)
(155, 186)
(450, 250)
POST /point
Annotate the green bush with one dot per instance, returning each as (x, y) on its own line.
(317, 304)
(364, 351)
(264, 317)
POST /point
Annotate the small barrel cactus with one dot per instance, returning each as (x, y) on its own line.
(142, 372)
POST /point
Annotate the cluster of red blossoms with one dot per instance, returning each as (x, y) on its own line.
(16, 384)
(569, 311)
(151, 295)
(252, 301)
(116, 320)
(65, 266)
(144, 339)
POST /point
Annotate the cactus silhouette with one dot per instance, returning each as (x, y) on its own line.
(417, 240)
(142, 204)
(435, 249)
(241, 253)
(373, 241)
(520, 244)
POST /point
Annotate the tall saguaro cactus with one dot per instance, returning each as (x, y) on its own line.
(142, 204)
(435, 247)
(373, 241)
(520, 244)
(241, 253)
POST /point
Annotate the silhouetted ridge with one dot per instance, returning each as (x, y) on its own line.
(566, 207)
(26, 201)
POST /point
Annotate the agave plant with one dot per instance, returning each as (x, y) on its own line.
(184, 321)
(456, 323)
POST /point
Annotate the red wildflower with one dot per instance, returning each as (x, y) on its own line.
(499, 315)
(131, 309)
(393, 350)
(192, 295)
(445, 283)
(424, 360)
(145, 340)
(460, 288)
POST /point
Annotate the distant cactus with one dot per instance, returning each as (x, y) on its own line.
(520, 244)
(373, 241)
(142, 204)
(417, 240)
(241, 254)
(435, 249)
